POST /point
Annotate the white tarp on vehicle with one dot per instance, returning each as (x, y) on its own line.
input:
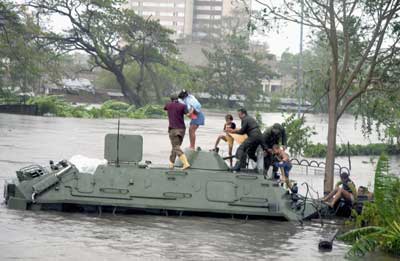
(85, 164)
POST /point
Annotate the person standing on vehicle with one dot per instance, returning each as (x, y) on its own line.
(194, 113)
(176, 130)
(249, 146)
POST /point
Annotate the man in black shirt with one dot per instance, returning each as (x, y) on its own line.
(249, 146)
(273, 135)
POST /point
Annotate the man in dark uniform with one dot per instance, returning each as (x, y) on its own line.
(249, 146)
(274, 134)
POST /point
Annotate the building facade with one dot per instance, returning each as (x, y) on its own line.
(187, 18)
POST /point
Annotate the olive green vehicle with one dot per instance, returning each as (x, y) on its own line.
(128, 183)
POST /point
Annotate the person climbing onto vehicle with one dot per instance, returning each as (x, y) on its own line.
(275, 134)
(194, 113)
(249, 146)
(176, 130)
(345, 189)
(229, 125)
(282, 163)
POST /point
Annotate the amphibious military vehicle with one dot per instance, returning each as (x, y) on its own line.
(128, 183)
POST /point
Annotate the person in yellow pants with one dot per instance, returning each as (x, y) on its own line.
(229, 125)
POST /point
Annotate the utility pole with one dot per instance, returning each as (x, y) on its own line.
(300, 63)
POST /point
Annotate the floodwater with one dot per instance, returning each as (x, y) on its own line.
(28, 235)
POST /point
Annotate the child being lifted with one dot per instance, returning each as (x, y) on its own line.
(283, 164)
(229, 125)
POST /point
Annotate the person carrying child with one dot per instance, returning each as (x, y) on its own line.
(283, 163)
(229, 125)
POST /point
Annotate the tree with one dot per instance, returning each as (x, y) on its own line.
(315, 72)
(232, 68)
(24, 64)
(362, 37)
(160, 80)
(380, 112)
(112, 35)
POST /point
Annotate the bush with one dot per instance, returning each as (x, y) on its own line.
(319, 150)
(49, 104)
(298, 134)
(115, 105)
(149, 111)
(109, 109)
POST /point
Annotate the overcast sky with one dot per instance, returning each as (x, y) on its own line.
(288, 37)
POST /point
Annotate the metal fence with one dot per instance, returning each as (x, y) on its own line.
(313, 167)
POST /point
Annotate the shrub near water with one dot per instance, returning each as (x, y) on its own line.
(319, 150)
(109, 109)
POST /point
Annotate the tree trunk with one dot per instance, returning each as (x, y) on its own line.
(139, 85)
(331, 147)
(154, 80)
(128, 93)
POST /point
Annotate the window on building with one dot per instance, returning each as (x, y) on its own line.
(166, 14)
(167, 4)
(203, 16)
(203, 7)
(166, 23)
(217, 8)
(182, 5)
(149, 13)
(150, 4)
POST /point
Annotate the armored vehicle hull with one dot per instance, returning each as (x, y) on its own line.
(124, 182)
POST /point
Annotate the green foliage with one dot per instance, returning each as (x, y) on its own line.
(232, 69)
(274, 104)
(368, 217)
(7, 96)
(377, 227)
(364, 240)
(115, 105)
(319, 150)
(160, 81)
(98, 28)
(298, 134)
(380, 112)
(149, 111)
(315, 73)
(109, 109)
(49, 104)
(25, 63)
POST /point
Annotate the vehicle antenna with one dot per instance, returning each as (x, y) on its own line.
(117, 162)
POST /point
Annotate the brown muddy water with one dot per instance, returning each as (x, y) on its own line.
(28, 235)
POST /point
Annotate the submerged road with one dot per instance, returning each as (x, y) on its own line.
(27, 235)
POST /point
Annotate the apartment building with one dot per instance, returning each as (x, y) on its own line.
(195, 18)
(173, 14)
